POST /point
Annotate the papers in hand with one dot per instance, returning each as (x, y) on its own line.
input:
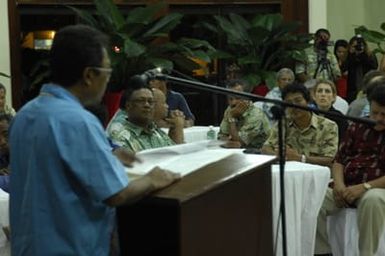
(183, 158)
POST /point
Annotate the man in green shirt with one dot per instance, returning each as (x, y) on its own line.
(133, 126)
(243, 124)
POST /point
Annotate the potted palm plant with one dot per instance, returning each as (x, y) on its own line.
(259, 46)
(373, 36)
(141, 40)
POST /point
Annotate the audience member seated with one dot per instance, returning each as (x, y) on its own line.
(339, 103)
(360, 60)
(175, 100)
(285, 76)
(341, 53)
(4, 108)
(174, 120)
(4, 152)
(133, 125)
(358, 172)
(309, 138)
(317, 56)
(324, 96)
(243, 124)
(360, 106)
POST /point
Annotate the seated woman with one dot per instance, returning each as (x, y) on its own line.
(4, 108)
(4, 152)
(324, 96)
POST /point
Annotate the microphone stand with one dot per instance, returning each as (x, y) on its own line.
(278, 113)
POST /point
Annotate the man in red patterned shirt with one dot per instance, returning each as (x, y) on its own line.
(359, 180)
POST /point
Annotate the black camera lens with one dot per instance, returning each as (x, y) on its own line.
(360, 44)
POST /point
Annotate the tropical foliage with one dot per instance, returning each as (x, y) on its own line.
(141, 39)
(373, 36)
(259, 46)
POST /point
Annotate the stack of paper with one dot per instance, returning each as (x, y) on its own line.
(183, 159)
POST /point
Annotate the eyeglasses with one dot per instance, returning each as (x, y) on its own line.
(143, 101)
(106, 70)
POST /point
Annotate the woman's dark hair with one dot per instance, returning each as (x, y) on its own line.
(296, 88)
(74, 48)
(340, 43)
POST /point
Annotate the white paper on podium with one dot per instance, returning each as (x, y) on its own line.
(183, 158)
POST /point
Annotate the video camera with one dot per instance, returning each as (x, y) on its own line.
(360, 46)
(323, 44)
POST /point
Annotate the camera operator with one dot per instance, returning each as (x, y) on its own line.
(320, 63)
(360, 60)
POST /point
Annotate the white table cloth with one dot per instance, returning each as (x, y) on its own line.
(305, 188)
(343, 234)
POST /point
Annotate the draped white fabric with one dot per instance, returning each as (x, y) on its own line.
(343, 234)
(305, 188)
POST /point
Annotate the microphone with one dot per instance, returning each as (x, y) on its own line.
(154, 74)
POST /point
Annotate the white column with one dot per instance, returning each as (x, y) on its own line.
(4, 50)
(317, 15)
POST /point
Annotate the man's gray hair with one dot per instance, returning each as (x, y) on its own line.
(283, 71)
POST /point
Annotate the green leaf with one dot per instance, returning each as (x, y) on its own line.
(201, 55)
(195, 43)
(267, 21)
(164, 25)
(270, 79)
(233, 35)
(253, 80)
(133, 49)
(85, 17)
(110, 13)
(4, 75)
(144, 15)
(219, 54)
(249, 60)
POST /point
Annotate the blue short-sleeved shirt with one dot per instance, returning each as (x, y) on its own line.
(176, 101)
(62, 170)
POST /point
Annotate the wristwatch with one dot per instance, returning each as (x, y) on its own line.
(367, 186)
(232, 120)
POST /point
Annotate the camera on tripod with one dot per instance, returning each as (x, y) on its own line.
(323, 44)
(360, 46)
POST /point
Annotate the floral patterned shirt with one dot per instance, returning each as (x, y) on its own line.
(135, 138)
(319, 139)
(253, 126)
(362, 152)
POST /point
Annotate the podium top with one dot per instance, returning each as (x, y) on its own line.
(214, 175)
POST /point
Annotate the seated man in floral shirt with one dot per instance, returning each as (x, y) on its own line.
(133, 126)
(359, 180)
(309, 137)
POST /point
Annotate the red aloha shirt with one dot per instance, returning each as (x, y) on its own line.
(362, 152)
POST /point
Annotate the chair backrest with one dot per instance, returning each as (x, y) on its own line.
(341, 105)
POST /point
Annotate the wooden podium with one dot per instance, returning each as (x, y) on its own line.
(222, 209)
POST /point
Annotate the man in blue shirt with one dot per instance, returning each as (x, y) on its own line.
(65, 180)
